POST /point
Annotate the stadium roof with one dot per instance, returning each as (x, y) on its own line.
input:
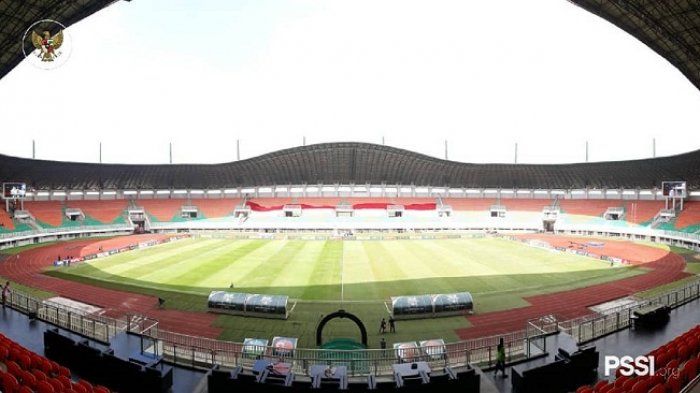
(351, 163)
(16, 16)
(669, 27)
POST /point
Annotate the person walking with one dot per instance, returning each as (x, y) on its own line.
(392, 325)
(501, 358)
(382, 326)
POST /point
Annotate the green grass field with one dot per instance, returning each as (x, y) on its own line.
(359, 276)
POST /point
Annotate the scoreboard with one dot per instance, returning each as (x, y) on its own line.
(674, 189)
(14, 190)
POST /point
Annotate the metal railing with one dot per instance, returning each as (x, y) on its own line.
(96, 327)
(205, 352)
(65, 230)
(589, 328)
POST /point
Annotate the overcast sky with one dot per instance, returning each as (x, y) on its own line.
(481, 74)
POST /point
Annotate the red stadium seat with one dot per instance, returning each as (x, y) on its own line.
(40, 375)
(64, 371)
(620, 381)
(87, 385)
(28, 378)
(10, 384)
(78, 388)
(600, 385)
(673, 364)
(673, 385)
(13, 368)
(683, 352)
(658, 389)
(44, 387)
(25, 361)
(627, 386)
(57, 385)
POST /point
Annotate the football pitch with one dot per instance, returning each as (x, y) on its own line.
(359, 276)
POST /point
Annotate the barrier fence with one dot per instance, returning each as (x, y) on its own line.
(589, 328)
(527, 343)
(204, 352)
(97, 327)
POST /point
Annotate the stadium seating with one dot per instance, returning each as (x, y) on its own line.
(105, 212)
(689, 219)
(162, 209)
(46, 212)
(677, 363)
(642, 212)
(28, 372)
(6, 223)
(590, 207)
(469, 204)
(215, 208)
(52, 213)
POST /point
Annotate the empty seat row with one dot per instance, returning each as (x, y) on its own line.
(676, 364)
(28, 372)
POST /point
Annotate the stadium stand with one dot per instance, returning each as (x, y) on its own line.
(27, 372)
(677, 363)
(162, 209)
(52, 213)
(46, 212)
(642, 212)
(689, 219)
(351, 163)
(589, 207)
(106, 212)
(469, 204)
(216, 208)
(531, 205)
(6, 223)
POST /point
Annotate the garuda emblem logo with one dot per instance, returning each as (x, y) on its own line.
(47, 45)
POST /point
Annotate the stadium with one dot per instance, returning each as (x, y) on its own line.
(352, 266)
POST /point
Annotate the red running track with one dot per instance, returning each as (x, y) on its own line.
(665, 267)
(27, 267)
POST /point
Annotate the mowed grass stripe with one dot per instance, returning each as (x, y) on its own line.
(296, 274)
(385, 268)
(324, 282)
(171, 258)
(210, 268)
(120, 263)
(171, 274)
(482, 270)
(242, 264)
(275, 265)
(437, 264)
(357, 270)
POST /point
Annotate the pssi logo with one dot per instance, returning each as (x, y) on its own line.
(629, 366)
